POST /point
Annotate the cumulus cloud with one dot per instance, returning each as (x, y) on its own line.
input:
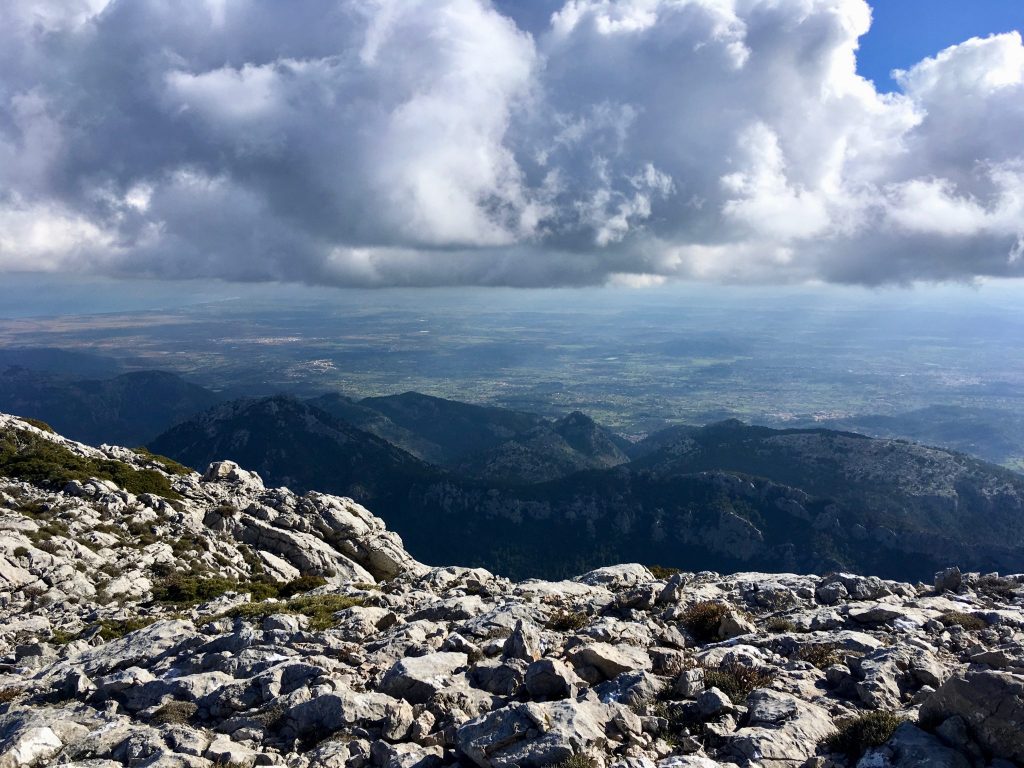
(568, 142)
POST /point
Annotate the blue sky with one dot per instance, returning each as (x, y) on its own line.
(905, 31)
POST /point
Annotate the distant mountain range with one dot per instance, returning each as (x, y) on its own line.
(525, 495)
(993, 434)
(724, 497)
(128, 409)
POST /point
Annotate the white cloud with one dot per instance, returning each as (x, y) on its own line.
(424, 142)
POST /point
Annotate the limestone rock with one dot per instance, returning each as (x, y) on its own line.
(534, 735)
(991, 703)
(417, 678)
(548, 679)
(610, 659)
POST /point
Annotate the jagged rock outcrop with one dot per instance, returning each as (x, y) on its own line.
(212, 621)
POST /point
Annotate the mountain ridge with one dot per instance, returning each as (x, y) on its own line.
(725, 496)
(209, 620)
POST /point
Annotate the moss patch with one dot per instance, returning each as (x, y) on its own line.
(320, 609)
(190, 590)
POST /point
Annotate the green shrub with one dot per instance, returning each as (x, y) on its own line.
(320, 609)
(965, 620)
(675, 717)
(168, 465)
(189, 543)
(578, 760)
(174, 713)
(189, 590)
(38, 424)
(299, 585)
(736, 680)
(21, 551)
(662, 572)
(567, 621)
(28, 456)
(48, 530)
(110, 629)
(260, 589)
(855, 735)
(35, 509)
(142, 534)
(703, 619)
(48, 545)
(63, 637)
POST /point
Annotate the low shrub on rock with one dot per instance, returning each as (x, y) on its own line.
(28, 456)
(965, 620)
(662, 572)
(567, 621)
(855, 735)
(38, 424)
(319, 609)
(737, 681)
(779, 625)
(174, 713)
(821, 655)
(167, 464)
(703, 619)
(300, 585)
(579, 760)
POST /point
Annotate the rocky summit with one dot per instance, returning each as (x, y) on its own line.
(153, 616)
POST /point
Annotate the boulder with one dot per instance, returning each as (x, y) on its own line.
(991, 703)
(344, 709)
(611, 660)
(32, 746)
(781, 731)
(617, 576)
(417, 678)
(734, 625)
(534, 735)
(948, 580)
(224, 751)
(910, 747)
(549, 679)
(713, 702)
(523, 643)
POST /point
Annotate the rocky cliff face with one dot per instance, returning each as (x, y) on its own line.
(154, 617)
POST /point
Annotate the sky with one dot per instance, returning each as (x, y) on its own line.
(407, 143)
(905, 31)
